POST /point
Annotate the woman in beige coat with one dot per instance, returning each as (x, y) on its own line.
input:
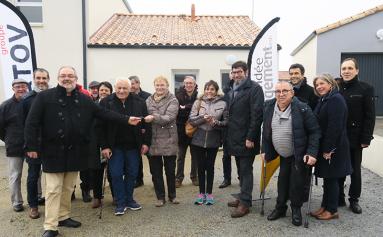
(163, 110)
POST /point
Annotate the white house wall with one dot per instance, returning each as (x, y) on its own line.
(307, 56)
(109, 63)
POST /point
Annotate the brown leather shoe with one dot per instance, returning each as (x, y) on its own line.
(317, 212)
(234, 203)
(240, 211)
(178, 183)
(195, 182)
(96, 203)
(326, 215)
(34, 213)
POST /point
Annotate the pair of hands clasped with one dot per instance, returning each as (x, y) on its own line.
(309, 160)
(136, 120)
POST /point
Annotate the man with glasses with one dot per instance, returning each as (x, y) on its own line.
(244, 132)
(291, 131)
(62, 117)
(11, 132)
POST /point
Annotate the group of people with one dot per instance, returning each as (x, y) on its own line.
(104, 134)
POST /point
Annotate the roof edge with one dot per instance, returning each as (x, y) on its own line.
(301, 45)
(168, 46)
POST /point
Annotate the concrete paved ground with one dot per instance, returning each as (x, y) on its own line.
(186, 219)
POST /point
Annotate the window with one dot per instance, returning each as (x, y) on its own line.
(179, 76)
(225, 79)
(32, 10)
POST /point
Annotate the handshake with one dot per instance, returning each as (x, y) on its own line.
(136, 120)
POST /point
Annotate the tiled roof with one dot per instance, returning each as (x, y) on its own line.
(350, 19)
(133, 30)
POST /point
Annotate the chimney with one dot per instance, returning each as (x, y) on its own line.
(193, 18)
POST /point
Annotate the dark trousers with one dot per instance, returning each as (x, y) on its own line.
(226, 163)
(182, 148)
(157, 164)
(34, 172)
(206, 159)
(356, 176)
(86, 180)
(330, 194)
(140, 175)
(246, 179)
(291, 181)
(98, 179)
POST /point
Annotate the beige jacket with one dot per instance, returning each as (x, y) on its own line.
(164, 128)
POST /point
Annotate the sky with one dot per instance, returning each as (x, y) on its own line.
(299, 18)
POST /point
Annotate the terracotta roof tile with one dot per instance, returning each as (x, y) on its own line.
(175, 30)
(350, 19)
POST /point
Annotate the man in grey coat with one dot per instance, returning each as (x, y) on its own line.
(245, 105)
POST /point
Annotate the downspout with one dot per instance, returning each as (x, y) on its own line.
(84, 45)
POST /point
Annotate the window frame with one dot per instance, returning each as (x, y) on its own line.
(184, 72)
(39, 4)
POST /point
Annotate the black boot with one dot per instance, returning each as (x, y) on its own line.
(355, 208)
(86, 196)
(225, 183)
(276, 214)
(296, 217)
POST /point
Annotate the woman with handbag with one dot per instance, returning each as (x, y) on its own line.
(209, 115)
(163, 109)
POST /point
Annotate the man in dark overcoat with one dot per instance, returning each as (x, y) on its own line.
(244, 131)
(63, 117)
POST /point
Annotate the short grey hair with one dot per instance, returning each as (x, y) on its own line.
(190, 77)
(285, 82)
(135, 79)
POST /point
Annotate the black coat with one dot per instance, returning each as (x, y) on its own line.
(134, 106)
(305, 93)
(245, 119)
(332, 117)
(26, 105)
(143, 94)
(65, 123)
(183, 114)
(11, 127)
(359, 97)
(305, 128)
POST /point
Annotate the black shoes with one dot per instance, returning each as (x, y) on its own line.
(18, 208)
(296, 217)
(86, 196)
(70, 223)
(138, 183)
(225, 183)
(276, 214)
(355, 208)
(50, 233)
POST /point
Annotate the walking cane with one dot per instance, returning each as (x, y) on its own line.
(264, 188)
(103, 190)
(306, 224)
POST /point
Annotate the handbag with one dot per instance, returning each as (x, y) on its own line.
(190, 129)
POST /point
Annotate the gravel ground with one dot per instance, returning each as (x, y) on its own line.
(187, 219)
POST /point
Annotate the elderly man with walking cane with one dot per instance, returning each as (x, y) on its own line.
(291, 131)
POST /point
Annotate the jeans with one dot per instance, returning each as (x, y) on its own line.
(182, 148)
(156, 164)
(34, 173)
(123, 167)
(206, 159)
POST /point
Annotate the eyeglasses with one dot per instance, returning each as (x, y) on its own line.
(67, 75)
(23, 86)
(283, 92)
